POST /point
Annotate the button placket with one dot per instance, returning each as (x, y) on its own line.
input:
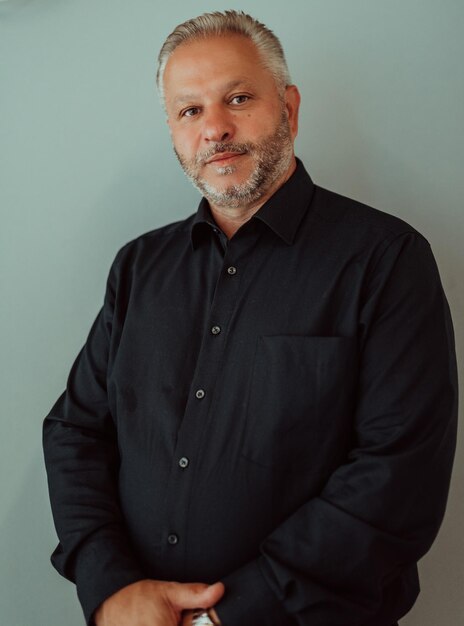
(192, 435)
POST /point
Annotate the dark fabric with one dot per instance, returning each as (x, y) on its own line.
(277, 411)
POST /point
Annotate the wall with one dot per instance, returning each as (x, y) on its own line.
(86, 165)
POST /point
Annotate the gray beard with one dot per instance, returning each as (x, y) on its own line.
(272, 157)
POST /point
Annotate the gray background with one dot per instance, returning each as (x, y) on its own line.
(86, 165)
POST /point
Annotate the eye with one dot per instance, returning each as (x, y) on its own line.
(190, 112)
(240, 99)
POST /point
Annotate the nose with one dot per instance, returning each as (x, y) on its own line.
(218, 125)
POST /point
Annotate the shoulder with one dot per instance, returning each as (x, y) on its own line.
(162, 240)
(172, 232)
(356, 217)
(356, 230)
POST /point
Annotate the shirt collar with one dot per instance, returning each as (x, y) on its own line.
(282, 213)
(203, 224)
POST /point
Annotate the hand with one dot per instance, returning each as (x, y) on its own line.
(155, 603)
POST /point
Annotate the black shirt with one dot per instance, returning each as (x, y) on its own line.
(276, 411)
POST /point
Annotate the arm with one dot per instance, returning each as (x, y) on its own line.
(82, 461)
(347, 555)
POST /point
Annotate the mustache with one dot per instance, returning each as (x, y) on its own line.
(219, 148)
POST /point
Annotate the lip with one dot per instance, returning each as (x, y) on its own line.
(223, 157)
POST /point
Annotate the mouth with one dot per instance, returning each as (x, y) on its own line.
(224, 158)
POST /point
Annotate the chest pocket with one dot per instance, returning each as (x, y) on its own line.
(301, 402)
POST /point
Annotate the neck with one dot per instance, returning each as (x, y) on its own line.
(230, 219)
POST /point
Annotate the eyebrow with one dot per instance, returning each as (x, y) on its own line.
(191, 97)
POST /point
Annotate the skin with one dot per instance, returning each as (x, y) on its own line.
(218, 92)
(225, 115)
(156, 603)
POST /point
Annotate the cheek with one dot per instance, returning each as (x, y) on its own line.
(256, 128)
(185, 144)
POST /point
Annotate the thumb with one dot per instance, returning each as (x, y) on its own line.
(194, 595)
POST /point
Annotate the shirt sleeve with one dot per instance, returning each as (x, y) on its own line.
(340, 557)
(82, 460)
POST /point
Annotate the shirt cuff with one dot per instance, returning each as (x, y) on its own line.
(100, 571)
(248, 600)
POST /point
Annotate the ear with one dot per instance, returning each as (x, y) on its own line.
(292, 105)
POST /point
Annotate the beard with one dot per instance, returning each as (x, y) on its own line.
(271, 159)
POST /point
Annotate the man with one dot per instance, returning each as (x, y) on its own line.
(268, 396)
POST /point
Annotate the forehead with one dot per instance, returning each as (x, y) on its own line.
(213, 63)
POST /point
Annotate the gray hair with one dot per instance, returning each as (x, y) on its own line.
(228, 22)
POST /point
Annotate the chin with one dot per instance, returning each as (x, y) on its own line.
(228, 177)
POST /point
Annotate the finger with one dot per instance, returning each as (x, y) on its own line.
(187, 617)
(194, 595)
(212, 595)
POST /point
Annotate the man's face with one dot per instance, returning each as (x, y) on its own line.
(232, 130)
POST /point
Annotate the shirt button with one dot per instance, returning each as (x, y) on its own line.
(183, 462)
(216, 330)
(173, 539)
(200, 394)
(231, 270)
